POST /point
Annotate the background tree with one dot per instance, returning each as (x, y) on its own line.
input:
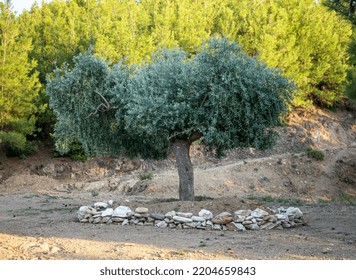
(220, 96)
(18, 83)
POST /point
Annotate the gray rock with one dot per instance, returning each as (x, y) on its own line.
(125, 222)
(206, 214)
(122, 212)
(117, 219)
(161, 224)
(247, 222)
(97, 220)
(295, 212)
(268, 225)
(239, 227)
(217, 227)
(148, 224)
(84, 220)
(110, 202)
(252, 226)
(191, 225)
(157, 216)
(107, 212)
(282, 217)
(105, 219)
(222, 218)
(182, 219)
(259, 213)
(249, 218)
(172, 225)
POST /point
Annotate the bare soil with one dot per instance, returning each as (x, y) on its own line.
(40, 195)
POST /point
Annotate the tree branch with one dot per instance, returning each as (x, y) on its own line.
(106, 104)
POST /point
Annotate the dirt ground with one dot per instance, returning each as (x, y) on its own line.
(40, 195)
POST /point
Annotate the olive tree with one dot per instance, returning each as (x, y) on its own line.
(220, 96)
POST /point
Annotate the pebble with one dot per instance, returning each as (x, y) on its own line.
(252, 226)
(222, 218)
(216, 227)
(125, 222)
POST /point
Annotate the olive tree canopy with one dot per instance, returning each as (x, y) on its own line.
(220, 95)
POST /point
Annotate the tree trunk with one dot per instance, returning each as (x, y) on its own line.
(185, 169)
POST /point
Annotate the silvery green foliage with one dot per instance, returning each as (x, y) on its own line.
(243, 98)
(228, 98)
(219, 95)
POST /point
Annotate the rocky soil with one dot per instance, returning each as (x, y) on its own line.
(40, 197)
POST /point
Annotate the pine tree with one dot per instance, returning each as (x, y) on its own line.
(18, 82)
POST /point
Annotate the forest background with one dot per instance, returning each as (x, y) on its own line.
(311, 41)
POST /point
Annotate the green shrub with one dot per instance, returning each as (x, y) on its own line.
(315, 154)
(145, 176)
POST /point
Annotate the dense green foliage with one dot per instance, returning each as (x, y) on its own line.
(307, 41)
(220, 95)
(18, 84)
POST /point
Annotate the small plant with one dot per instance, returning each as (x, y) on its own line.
(94, 193)
(145, 176)
(315, 154)
(202, 198)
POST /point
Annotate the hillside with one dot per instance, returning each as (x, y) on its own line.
(44, 193)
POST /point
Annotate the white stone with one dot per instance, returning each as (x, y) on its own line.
(83, 209)
(182, 219)
(122, 212)
(259, 213)
(295, 212)
(206, 214)
(282, 217)
(197, 219)
(125, 222)
(239, 218)
(161, 224)
(216, 227)
(110, 202)
(101, 205)
(170, 214)
(107, 212)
